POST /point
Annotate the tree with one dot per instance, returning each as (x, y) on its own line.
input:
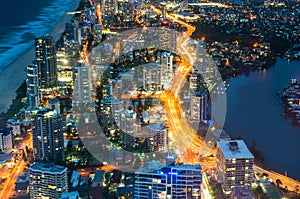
(265, 175)
(278, 182)
(69, 145)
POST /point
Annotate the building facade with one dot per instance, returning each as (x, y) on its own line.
(47, 136)
(47, 180)
(6, 144)
(180, 181)
(45, 57)
(32, 84)
(82, 92)
(198, 99)
(234, 165)
(129, 127)
(157, 136)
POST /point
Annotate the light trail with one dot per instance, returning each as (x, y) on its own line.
(17, 170)
(290, 183)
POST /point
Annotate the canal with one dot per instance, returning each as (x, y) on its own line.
(255, 112)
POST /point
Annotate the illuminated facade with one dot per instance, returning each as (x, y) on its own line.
(128, 126)
(47, 136)
(97, 32)
(45, 57)
(176, 182)
(6, 144)
(234, 165)
(151, 77)
(198, 99)
(157, 136)
(32, 84)
(165, 61)
(47, 181)
(82, 92)
(199, 104)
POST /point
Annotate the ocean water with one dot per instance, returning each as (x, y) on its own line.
(21, 21)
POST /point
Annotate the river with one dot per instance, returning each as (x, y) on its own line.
(255, 112)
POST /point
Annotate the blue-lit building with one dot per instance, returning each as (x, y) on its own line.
(179, 181)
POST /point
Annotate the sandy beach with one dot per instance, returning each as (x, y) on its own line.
(15, 74)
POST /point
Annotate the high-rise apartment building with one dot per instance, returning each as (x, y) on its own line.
(129, 127)
(45, 57)
(32, 84)
(198, 99)
(152, 77)
(47, 136)
(179, 181)
(97, 29)
(165, 61)
(47, 180)
(234, 165)
(199, 107)
(82, 84)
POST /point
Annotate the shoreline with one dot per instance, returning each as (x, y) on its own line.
(14, 73)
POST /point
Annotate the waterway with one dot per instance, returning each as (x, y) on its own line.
(255, 112)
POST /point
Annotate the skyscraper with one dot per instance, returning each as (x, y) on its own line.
(32, 84)
(234, 165)
(46, 62)
(128, 125)
(82, 84)
(97, 28)
(165, 61)
(47, 136)
(180, 181)
(152, 77)
(47, 180)
(198, 107)
(198, 99)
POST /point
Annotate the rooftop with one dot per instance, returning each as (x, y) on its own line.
(235, 149)
(157, 167)
(5, 131)
(242, 193)
(47, 168)
(157, 126)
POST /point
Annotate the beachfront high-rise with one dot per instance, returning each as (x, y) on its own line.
(176, 182)
(45, 58)
(47, 136)
(32, 84)
(47, 180)
(234, 165)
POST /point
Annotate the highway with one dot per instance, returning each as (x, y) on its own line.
(181, 132)
(286, 181)
(9, 185)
